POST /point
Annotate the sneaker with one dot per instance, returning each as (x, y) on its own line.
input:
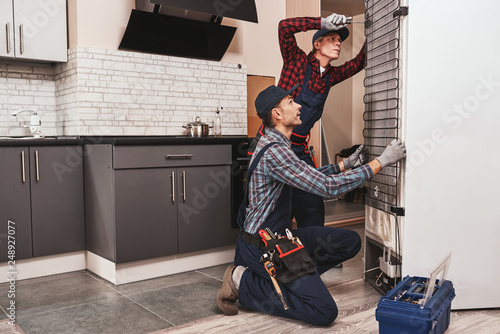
(228, 294)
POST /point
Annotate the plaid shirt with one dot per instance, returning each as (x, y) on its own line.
(295, 60)
(279, 166)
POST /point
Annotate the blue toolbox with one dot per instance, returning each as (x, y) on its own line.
(417, 305)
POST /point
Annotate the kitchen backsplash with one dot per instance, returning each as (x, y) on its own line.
(109, 92)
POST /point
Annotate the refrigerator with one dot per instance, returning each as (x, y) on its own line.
(433, 81)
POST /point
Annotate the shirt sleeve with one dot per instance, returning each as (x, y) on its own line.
(349, 68)
(329, 169)
(284, 166)
(287, 29)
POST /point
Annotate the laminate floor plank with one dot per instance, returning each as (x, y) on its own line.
(357, 302)
(475, 321)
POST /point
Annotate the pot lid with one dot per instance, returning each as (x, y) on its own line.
(197, 122)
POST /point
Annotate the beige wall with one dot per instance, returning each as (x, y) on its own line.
(101, 24)
(358, 89)
(298, 8)
(343, 114)
(256, 45)
(96, 23)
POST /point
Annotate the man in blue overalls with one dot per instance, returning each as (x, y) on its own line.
(315, 77)
(274, 169)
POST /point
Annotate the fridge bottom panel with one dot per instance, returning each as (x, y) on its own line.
(381, 226)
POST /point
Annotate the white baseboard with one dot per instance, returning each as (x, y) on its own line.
(43, 266)
(163, 266)
(112, 272)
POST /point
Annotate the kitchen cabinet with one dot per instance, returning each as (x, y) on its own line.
(34, 30)
(144, 207)
(15, 213)
(43, 197)
(146, 201)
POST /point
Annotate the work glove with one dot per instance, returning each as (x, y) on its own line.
(394, 152)
(358, 158)
(335, 22)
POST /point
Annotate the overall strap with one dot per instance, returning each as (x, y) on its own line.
(240, 218)
(307, 77)
(256, 161)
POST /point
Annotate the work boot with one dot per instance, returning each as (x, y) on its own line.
(228, 294)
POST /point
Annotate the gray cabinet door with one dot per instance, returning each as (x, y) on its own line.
(146, 213)
(15, 202)
(57, 199)
(205, 210)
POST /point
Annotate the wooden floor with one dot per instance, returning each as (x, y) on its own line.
(357, 302)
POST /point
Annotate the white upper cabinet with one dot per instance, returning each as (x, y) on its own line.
(33, 30)
(6, 29)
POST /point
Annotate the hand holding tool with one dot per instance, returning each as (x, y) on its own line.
(335, 22)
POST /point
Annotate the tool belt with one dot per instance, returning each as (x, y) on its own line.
(251, 239)
(285, 258)
(289, 258)
(288, 255)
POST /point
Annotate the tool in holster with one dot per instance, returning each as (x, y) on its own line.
(312, 154)
(290, 236)
(268, 230)
(264, 235)
(272, 273)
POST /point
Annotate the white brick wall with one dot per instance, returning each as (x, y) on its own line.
(26, 87)
(108, 92)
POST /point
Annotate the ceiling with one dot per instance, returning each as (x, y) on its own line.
(345, 7)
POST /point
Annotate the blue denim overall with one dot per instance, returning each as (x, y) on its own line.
(308, 209)
(308, 298)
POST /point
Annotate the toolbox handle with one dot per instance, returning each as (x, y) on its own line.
(442, 268)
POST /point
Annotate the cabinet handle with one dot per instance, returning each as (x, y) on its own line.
(23, 166)
(179, 156)
(7, 32)
(172, 177)
(36, 164)
(21, 39)
(184, 185)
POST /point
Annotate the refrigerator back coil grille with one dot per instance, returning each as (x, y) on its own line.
(382, 104)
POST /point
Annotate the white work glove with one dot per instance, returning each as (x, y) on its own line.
(394, 152)
(358, 158)
(335, 22)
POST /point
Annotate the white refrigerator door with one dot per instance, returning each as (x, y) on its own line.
(452, 131)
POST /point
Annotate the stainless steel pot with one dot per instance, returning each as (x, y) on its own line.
(197, 128)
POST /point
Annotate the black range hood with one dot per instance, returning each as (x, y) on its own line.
(175, 36)
(236, 9)
(181, 35)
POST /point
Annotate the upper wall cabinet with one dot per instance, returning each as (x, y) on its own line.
(33, 30)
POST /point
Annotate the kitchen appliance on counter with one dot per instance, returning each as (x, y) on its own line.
(197, 128)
